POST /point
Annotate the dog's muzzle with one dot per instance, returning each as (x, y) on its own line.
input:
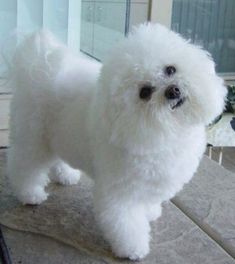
(174, 96)
(172, 92)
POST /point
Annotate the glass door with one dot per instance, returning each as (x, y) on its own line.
(92, 26)
(20, 17)
(105, 22)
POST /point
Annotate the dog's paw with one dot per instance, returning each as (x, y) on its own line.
(134, 251)
(153, 212)
(71, 177)
(65, 175)
(34, 196)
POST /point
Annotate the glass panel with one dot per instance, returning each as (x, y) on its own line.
(26, 16)
(74, 24)
(29, 15)
(8, 19)
(211, 24)
(109, 26)
(105, 22)
(87, 27)
(96, 25)
(55, 18)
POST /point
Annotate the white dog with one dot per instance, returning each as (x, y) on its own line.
(137, 128)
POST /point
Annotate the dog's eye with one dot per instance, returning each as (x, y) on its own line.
(146, 92)
(170, 70)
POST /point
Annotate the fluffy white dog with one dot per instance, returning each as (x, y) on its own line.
(136, 125)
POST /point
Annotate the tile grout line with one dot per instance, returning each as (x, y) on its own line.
(4, 252)
(205, 230)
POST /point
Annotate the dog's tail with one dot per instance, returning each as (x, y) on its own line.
(35, 66)
(37, 61)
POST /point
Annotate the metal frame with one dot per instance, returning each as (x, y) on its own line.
(127, 22)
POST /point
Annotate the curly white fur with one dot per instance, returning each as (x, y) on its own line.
(139, 153)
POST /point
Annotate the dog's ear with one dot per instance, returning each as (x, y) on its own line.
(209, 92)
(216, 98)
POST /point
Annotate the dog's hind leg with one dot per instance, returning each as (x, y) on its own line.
(36, 64)
(62, 173)
(28, 173)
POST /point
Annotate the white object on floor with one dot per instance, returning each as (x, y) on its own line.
(220, 135)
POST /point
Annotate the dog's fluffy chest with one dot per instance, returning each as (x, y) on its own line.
(152, 176)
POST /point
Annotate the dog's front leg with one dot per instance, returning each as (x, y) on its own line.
(125, 226)
(153, 211)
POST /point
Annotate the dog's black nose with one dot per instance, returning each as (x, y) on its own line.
(172, 92)
(146, 92)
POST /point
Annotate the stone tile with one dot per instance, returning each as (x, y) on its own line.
(209, 199)
(178, 240)
(7, 200)
(228, 161)
(67, 217)
(4, 88)
(4, 138)
(4, 112)
(28, 248)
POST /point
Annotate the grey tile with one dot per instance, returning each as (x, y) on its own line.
(228, 161)
(7, 200)
(28, 248)
(67, 217)
(209, 200)
(4, 112)
(175, 240)
(5, 89)
(4, 138)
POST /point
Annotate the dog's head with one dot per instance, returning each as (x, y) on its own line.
(155, 82)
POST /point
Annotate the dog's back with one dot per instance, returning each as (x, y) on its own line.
(46, 79)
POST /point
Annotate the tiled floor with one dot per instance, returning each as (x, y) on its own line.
(196, 226)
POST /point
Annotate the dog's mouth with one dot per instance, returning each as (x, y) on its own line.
(177, 103)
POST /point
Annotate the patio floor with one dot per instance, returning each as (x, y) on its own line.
(197, 226)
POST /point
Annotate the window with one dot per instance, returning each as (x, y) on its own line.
(92, 25)
(209, 23)
(105, 22)
(96, 25)
(19, 17)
